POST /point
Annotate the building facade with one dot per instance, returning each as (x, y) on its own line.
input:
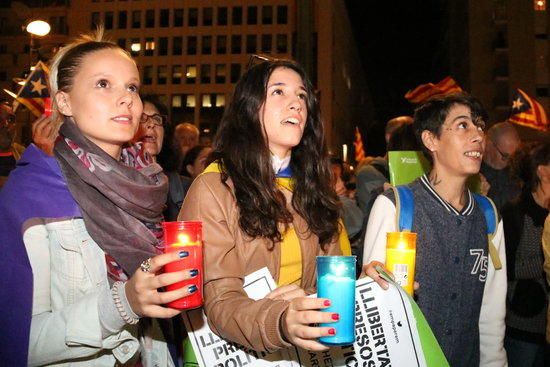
(497, 46)
(191, 53)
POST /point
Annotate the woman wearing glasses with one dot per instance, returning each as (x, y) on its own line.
(152, 126)
(155, 133)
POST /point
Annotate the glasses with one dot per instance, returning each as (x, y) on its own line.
(156, 119)
(258, 59)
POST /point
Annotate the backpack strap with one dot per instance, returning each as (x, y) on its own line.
(490, 212)
(404, 208)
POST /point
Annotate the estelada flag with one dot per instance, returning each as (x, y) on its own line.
(34, 92)
(425, 91)
(358, 144)
(528, 112)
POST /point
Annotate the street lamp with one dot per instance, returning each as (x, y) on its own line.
(38, 28)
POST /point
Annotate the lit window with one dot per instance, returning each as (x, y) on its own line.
(220, 100)
(135, 46)
(206, 100)
(176, 101)
(190, 100)
(149, 46)
(540, 5)
(191, 74)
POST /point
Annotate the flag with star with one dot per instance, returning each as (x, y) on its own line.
(34, 92)
(528, 112)
(358, 144)
(423, 92)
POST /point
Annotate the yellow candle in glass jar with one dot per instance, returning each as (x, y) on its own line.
(400, 258)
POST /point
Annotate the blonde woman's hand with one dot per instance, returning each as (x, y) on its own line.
(302, 313)
(142, 290)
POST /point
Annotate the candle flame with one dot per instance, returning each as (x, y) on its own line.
(402, 245)
(183, 239)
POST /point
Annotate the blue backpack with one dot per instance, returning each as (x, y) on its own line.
(404, 208)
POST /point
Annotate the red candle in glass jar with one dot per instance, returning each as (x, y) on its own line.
(186, 236)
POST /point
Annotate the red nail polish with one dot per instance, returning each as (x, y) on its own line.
(335, 316)
(332, 331)
(327, 303)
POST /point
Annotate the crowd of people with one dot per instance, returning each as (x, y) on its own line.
(81, 211)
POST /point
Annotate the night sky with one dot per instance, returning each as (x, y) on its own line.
(402, 45)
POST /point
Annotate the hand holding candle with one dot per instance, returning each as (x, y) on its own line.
(401, 258)
(185, 236)
(336, 281)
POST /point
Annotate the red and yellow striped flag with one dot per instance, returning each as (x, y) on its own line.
(528, 112)
(358, 144)
(425, 91)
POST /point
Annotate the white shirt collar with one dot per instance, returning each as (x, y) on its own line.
(279, 164)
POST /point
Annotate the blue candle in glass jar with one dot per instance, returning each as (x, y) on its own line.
(336, 281)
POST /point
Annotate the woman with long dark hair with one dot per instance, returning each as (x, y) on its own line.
(267, 201)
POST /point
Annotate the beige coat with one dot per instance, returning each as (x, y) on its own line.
(230, 255)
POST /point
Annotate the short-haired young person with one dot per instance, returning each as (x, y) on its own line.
(460, 292)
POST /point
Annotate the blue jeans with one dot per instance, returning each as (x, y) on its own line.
(523, 354)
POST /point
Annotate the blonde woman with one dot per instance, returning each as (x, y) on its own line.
(89, 220)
